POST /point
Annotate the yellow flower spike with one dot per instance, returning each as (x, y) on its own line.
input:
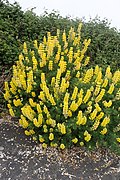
(53, 81)
(78, 74)
(100, 116)
(79, 118)
(69, 113)
(17, 102)
(87, 96)
(25, 48)
(108, 73)
(11, 112)
(79, 102)
(74, 94)
(99, 77)
(42, 77)
(6, 86)
(63, 129)
(93, 114)
(7, 95)
(40, 119)
(32, 131)
(33, 94)
(111, 89)
(75, 140)
(32, 104)
(27, 133)
(95, 125)
(73, 106)
(64, 36)
(62, 146)
(51, 130)
(86, 133)
(36, 123)
(41, 139)
(24, 123)
(118, 140)
(39, 110)
(50, 65)
(105, 121)
(97, 107)
(97, 90)
(42, 96)
(9, 106)
(81, 143)
(67, 76)
(116, 77)
(88, 75)
(105, 82)
(84, 120)
(87, 138)
(44, 145)
(107, 104)
(97, 69)
(104, 131)
(80, 94)
(86, 61)
(100, 96)
(51, 136)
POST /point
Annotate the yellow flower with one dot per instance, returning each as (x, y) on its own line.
(63, 129)
(32, 131)
(36, 123)
(100, 116)
(50, 65)
(105, 121)
(87, 96)
(33, 94)
(87, 138)
(105, 83)
(108, 73)
(104, 131)
(11, 112)
(95, 125)
(27, 133)
(118, 140)
(107, 104)
(33, 104)
(111, 89)
(73, 106)
(44, 145)
(41, 139)
(69, 113)
(62, 146)
(51, 136)
(93, 114)
(97, 107)
(88, 75)
(74, 94)
(78, 74)
(75, 140)
(116, 77)
(100, 96)
(81, 143)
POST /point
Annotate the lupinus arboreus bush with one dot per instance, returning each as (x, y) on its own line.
(58, 100)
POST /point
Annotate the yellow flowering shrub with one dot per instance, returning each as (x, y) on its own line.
(58, 100)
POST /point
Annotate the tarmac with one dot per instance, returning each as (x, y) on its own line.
(23, 159)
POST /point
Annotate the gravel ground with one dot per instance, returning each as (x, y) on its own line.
(23, 159)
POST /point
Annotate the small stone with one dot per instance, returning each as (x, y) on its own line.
(1, 148)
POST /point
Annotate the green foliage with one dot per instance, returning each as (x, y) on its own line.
(58, 100)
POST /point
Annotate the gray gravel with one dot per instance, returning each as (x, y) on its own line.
(23, 159)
